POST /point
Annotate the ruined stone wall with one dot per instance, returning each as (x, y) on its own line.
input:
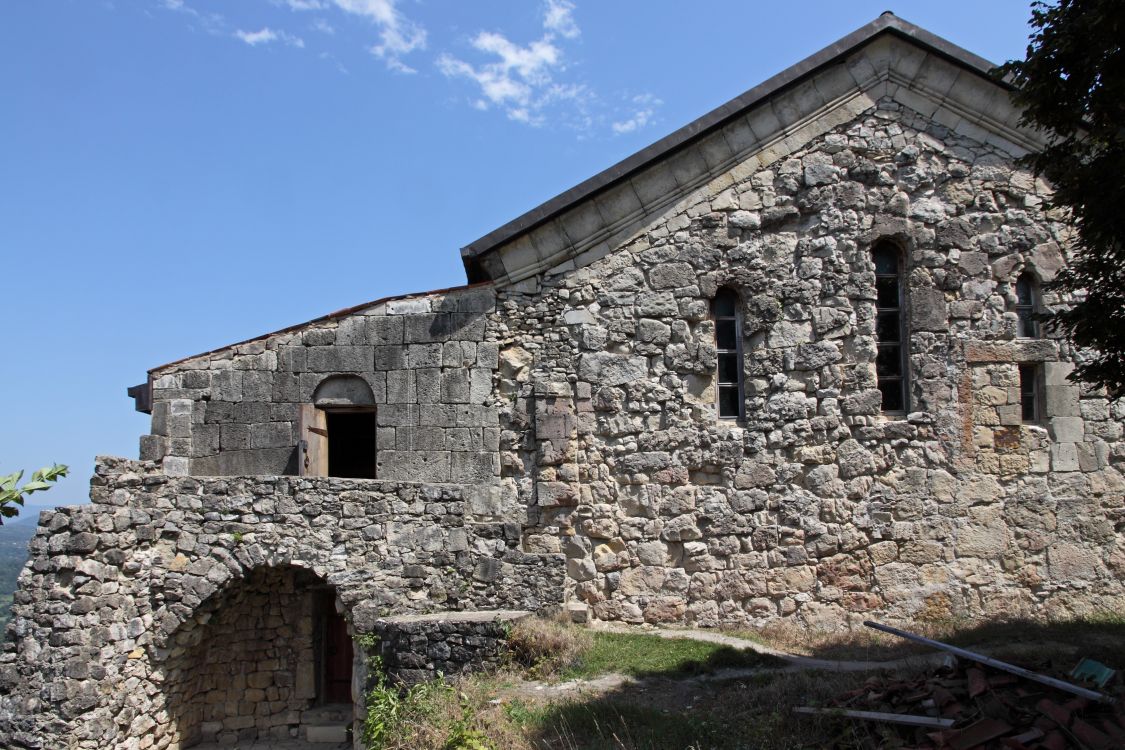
(117, 593)
(816, 508)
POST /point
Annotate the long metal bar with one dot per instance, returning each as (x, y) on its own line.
(907, 719)
(1003, 666)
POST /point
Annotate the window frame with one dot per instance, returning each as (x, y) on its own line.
(739, 385)
(902, 341)
(1031, 392)
(1026, 311)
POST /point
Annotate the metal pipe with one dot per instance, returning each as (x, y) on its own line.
(1003, 666)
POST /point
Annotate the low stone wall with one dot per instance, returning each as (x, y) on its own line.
(117, 593)
(416, 648)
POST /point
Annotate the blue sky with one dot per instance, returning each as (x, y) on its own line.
(176, 175)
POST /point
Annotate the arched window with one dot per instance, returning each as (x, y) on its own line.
(890, 330)
(1027, 305)
(728, 342)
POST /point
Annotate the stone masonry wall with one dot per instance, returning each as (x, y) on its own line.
(116, 590)
(426, 359)
(817, 508)
(249, 673)
(416, 648)
(583, 408)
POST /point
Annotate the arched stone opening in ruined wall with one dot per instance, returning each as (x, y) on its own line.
(268, 658)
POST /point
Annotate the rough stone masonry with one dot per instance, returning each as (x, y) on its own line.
(550, 434)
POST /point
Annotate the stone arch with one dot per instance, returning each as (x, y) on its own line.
(338, 430)
(251, 662)
(338, 391)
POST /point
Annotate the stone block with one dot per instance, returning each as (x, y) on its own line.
(401, 387)
(427, 385)
(552, 494)
(420, 438)
(399, 415)
(1061, 400)
(672, 276)
(1064, 457)
(480, 386)
(340, 358)
(603, 368)
(473, 468)
(385, 330)
(327, 734)
(415, 466)
(409, 306)
(422, 355)
(1067, 429)
(928, 310)
(152, 448)
(389, 357)
(455, 386)
(352, 331)
(1056, 373)
(426, 329)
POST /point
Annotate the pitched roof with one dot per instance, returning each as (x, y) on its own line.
(886, 24)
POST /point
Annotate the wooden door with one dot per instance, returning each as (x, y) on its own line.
(312, 447)
(337, 660)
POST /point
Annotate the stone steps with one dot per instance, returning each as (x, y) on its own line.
(327, 724)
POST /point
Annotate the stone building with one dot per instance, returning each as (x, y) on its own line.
(783, 364)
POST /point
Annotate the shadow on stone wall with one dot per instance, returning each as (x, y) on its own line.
(251, 660)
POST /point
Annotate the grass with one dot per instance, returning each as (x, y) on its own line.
(643, 655)
(502, 711)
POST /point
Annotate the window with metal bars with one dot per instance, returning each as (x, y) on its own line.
(728, 343)
(890, 333)
(1027, 304)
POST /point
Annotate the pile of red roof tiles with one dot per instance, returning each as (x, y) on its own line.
(989, 709)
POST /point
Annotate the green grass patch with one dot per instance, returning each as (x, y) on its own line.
(642, 655)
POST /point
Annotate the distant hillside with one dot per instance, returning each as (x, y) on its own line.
(14, 535)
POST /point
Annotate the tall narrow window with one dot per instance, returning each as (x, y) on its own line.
(728, 342)
(1029, 393)
(890, 362)
(1026, 307)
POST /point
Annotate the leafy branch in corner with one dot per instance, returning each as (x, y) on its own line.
(1072, 88)
(12, 494)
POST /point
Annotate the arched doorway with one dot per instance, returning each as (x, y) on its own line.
(268, 658)
(338, 430)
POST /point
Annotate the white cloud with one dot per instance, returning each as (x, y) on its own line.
(300, 5)
(398, 35)
(212, 23)
(644, 107)
(560, 20)
(521, 78)
(266, 35)
(323, 26)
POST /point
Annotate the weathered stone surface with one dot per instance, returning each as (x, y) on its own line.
(611, 369)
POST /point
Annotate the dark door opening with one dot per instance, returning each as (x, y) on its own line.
(351, 444)
(337, 660)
